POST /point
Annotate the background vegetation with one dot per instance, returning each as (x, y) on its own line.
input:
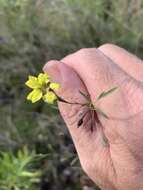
(31, 33)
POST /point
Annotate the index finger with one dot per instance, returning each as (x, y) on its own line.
(125, 60)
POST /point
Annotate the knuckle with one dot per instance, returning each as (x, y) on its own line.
(87, 51)
(106, 46)
(87, 54)
(83, 50)
(80, 52)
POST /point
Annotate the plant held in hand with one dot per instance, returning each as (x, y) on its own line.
(43, 88)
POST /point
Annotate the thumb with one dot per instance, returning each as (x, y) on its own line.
(70, 87)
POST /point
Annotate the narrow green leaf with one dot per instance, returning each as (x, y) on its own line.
(105, 93)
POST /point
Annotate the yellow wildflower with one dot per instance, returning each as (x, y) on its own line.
(49, 97)
(42, 88)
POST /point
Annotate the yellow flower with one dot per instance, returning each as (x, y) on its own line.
(42, 88)
(49, 97)
(37, 82)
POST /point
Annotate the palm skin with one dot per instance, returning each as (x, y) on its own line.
(117, 165)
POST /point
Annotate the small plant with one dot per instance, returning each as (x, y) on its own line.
(16, 171)
(44, 89)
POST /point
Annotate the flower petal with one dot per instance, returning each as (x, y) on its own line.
(43, 78)
(35, 95)
(29, 96)
(32, 82)
(49, 97)
(54, 86)
(30, 77)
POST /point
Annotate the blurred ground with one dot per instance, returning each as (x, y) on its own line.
(33, 32)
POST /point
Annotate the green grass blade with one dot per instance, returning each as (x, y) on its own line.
(106, 93)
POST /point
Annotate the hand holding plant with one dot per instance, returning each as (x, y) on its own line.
(78, 82)
(91, 71)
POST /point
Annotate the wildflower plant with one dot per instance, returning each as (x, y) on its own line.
(43, 88)
(17, 172)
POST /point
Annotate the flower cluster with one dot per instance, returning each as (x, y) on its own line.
(42, 88)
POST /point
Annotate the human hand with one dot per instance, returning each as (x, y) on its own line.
(118, 166)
